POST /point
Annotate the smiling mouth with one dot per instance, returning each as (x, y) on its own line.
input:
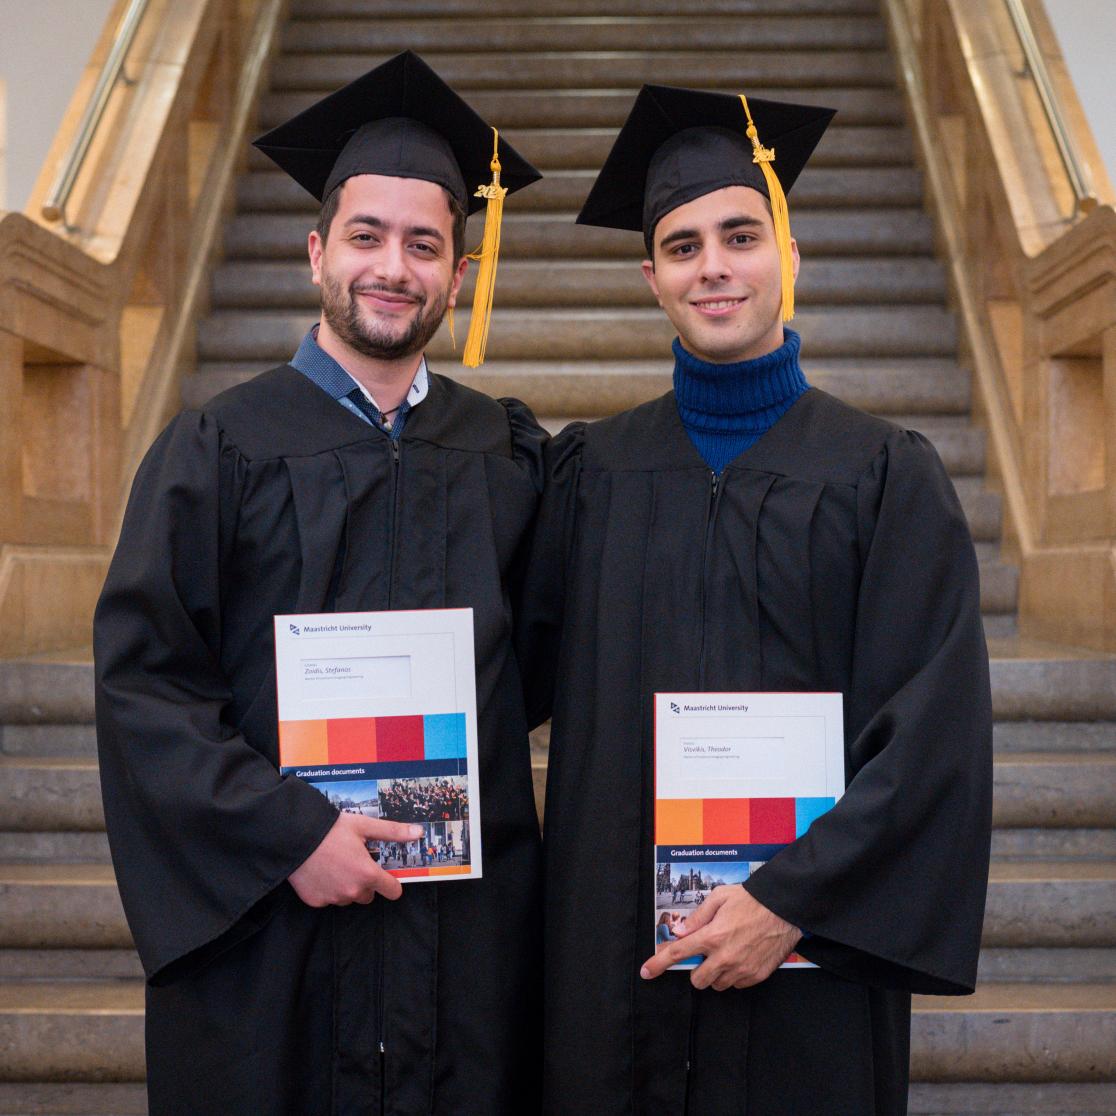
(717, 305)
(388, 298)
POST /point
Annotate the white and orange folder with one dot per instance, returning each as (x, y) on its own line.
(738, 776)
(378, 710)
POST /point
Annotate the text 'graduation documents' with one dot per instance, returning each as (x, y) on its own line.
(737, 778)
(378, 710)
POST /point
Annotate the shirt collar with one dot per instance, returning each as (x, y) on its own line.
(317, 365)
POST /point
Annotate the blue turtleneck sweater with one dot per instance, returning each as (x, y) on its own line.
(725, 408)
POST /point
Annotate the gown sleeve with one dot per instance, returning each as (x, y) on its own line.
(539, 620)
(528, 440)
(890, 883)
(203, 830)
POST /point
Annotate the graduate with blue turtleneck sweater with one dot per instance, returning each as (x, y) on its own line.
(726, 408)
(828, 553)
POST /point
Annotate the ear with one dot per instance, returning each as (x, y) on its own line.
(648, 269)
(455, 286)
(795, 256)
(314, 246)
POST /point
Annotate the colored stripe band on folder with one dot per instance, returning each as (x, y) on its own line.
(735, 821)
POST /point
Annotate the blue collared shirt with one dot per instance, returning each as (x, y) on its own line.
(321, 369)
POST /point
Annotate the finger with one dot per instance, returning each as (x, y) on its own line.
(709, 971)
(695, 920)
(377, 829)
(671, 955)
(388, 886)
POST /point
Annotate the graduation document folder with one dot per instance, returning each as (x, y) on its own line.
(737, 777)
(378, 710)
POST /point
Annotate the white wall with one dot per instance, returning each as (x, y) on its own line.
(44, 46)
(1086, 31)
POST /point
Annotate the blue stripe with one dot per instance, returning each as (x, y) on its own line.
(410, 769)
(713, 853)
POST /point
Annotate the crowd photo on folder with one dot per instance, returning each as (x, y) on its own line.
(749, 612)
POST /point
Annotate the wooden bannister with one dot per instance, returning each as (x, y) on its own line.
(1034, 280)
(97, 317)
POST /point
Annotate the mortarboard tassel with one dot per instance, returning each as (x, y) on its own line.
(489, 255)
(765, 156)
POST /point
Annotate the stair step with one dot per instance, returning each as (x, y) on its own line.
(1030, 903)
(585, 148)
(578, 333)
(1055, 789)
(602, 387)
(1029, 965)
(566, 191)
(528, 236)
(60, 906)
(577, 283)
(71, 1031)
(48, 740)
(526, 34)
(608, 108)
(50, 792)
(1034, 681)
(1051, 903)
(999, 585)
(72, 1099)
(46, 691)
(1016, 1032)
(59, 848)
(1031, 681)
(458, 9)
(1050, 736)
(1054, 844)
(604, 69)
(1012, 1099)
(69, 964)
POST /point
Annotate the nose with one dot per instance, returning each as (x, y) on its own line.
(390, 263)
(714, 263)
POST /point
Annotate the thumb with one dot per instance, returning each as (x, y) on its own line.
(703, 914)
(376, 829)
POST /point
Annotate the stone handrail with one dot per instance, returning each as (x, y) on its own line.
(97, 319)
(1033, 278)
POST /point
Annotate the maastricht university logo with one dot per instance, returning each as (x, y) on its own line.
(294, 629)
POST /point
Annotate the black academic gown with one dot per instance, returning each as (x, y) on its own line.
(274, 499)
(832, 556)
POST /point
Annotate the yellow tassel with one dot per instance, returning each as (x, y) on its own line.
(765, 156)
(449, 322)
(489, 255)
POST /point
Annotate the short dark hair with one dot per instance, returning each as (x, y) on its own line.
(457, 212)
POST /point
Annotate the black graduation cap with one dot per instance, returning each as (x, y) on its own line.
(679, 144)
(400, 119)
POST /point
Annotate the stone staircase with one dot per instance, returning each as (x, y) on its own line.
(577, 334)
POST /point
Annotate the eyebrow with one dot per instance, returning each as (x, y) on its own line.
(727, 225)
(410, 230)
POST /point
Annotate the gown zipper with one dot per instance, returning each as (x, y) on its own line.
(711, 519)
(710, 522)
(393, 446)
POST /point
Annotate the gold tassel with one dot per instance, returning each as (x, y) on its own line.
(488, 254)
(449, 322)
(765, 156)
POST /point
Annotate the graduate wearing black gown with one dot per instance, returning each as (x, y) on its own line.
(831, 555)
(273, 498)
